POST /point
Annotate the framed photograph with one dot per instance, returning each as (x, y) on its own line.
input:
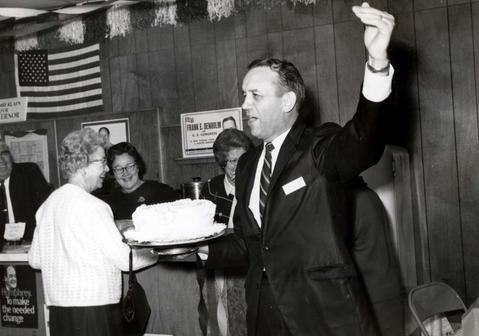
(200, 129)
(113, 131)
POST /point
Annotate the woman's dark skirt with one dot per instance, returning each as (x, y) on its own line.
(86, 321)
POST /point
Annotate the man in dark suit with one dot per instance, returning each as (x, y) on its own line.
(291, 222)
(375, 258)
(22, 190)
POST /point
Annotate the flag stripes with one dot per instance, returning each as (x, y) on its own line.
(62, 82)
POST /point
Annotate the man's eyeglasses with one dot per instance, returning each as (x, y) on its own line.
(129, 168)
(102, 161)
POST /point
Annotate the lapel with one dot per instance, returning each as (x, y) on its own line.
(286, 153)
(13, 189)
(249, 170)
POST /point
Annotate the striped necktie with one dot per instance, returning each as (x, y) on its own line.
(265, 178)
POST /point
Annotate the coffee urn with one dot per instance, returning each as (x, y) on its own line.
(192, 189)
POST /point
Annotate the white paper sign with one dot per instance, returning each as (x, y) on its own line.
(14, 231)
(13, 110)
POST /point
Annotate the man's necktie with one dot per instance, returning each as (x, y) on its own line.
(3, 210)
(265, 178)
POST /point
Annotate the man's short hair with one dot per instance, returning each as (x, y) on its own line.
(103, 128)
(289, 77)
(230, 118)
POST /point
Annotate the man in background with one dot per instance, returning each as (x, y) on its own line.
(23, 189)
(229, 122)
(104, 132)
(373, 252)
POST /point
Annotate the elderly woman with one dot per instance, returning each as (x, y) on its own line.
(78, 247)
(227, 148)
(132, 191)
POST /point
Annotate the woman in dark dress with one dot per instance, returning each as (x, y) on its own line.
(131, 190)
(227, 148)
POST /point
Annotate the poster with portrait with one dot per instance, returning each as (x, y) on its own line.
(18, 297)
(200, 129)
(112, 131)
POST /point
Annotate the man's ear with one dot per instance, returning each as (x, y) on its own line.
(288, 101)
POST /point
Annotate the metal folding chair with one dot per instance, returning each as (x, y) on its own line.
(432, 299)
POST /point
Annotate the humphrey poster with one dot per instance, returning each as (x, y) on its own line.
(18, 297)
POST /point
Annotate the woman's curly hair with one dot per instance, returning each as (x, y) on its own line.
(76, 149)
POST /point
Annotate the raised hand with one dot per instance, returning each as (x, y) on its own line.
(379, 27)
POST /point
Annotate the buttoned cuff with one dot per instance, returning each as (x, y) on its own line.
(377, 86)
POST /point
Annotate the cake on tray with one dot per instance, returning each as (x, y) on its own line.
(181, 220)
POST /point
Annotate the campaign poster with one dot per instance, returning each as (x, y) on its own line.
(18, 297)
(200, 129)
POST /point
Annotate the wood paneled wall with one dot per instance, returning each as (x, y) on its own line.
(435, 50)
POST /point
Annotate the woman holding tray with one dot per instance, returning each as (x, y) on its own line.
(78, 247)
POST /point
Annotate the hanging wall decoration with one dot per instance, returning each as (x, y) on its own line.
(122, 16)
(72, 32)
(165, 13)
(26, 42)
(218, 9)
(118, 21)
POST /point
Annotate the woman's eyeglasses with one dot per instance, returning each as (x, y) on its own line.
(232, 162)
(129, 168)
(102, 161)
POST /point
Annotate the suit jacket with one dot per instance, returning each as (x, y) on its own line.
(28, 189)
(376, 260)
(303, 241)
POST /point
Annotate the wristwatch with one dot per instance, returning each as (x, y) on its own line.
(384, 70)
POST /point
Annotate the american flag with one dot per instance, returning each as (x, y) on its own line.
(61, 82)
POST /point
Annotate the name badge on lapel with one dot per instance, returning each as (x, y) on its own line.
(294, 185)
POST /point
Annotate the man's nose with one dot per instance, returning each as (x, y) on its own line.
(246, 102)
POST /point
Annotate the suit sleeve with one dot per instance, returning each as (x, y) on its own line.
(40, 186)
(341, 153)
(230, 250)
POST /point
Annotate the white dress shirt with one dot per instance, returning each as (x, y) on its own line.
(11, 215)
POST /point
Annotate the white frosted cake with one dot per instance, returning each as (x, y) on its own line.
(184, 219)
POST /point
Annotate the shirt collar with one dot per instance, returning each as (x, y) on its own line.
(278, 141)
(229, 188)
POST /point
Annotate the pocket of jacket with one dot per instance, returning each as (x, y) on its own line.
(329, 272)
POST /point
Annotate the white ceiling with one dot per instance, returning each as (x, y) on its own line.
(18, 10)
(39, 4)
